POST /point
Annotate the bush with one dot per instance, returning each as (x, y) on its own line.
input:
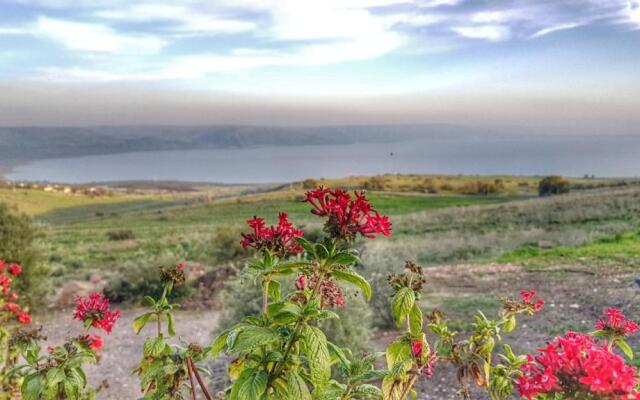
(378, 183)
(552, 185)
(124, 234)
(19, 244)
(132, 282)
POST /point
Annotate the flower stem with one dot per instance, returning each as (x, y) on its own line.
(193, 383)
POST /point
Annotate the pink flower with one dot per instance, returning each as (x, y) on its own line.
(95, 309)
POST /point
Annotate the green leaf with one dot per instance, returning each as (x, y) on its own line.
(150, 301)
(402, 303)
(250, 386)
(171, 327)
(251, 337)
(154, 347)
(354, 279)
(55, 376)
(31, 387)
(308, 246)
(219, 344)
(317, 351)
(625, 348)
(274, 290)
(321, 252)
(297, 389)
(415, 320)
(367, 390)
(140, 322)
(344, 258)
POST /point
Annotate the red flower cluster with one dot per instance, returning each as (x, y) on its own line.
(616, 323)
(577, 366)
(279, 239)
(95, 308)
(9, 297)
(528, 300)
(94, 342)
(347, 217)
(426, 367)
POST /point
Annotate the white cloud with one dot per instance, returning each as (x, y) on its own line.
(633, 11)
(555, 28)
(188, 19)
(95, 37)
(493, 33)
(5, 30)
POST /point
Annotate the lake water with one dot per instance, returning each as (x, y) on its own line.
(604, 156)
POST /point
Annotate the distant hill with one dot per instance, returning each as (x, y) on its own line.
(31, 143)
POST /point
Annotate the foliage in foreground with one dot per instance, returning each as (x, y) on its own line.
(283, 353)
(59, 373)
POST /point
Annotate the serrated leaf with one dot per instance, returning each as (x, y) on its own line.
(31, 387)
(154, 347)
(251, 385)
(251, 337)
(402, 303)
(297, 388)
(274, 290)
(415, 320)
(354, 279)
(317, 351)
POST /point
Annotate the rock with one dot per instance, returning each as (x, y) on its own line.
(72, 289)
(545, 244)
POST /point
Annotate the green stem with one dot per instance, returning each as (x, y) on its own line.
(265, 293)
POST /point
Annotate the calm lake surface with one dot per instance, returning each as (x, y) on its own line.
(603, 156)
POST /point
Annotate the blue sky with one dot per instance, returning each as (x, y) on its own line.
(404, 60)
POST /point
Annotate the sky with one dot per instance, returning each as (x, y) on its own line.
(555, 65)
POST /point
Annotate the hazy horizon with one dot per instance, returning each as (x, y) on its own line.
(565, 66)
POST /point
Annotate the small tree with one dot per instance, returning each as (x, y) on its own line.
(552, 185)
(18, 244)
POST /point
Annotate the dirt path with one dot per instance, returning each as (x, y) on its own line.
(123, 348)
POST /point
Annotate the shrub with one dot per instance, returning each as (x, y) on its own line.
(19, 244)
(377, 183)
(124, 234)
(133, 281)
(59, 373)
(552, 185)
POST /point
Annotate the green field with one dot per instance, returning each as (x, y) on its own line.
(596, 226)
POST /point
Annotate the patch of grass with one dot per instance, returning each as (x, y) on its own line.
(619, 248)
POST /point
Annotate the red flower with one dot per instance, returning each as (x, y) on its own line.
(12, 308)
(528, 300)
(94, 342)
(416, 348)
(576, 366)
(24, 318)
(347, 217)
(279, 239)
(5, 282)
(95, 308)
(15, 269)
(301, 282)
(616, 323)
